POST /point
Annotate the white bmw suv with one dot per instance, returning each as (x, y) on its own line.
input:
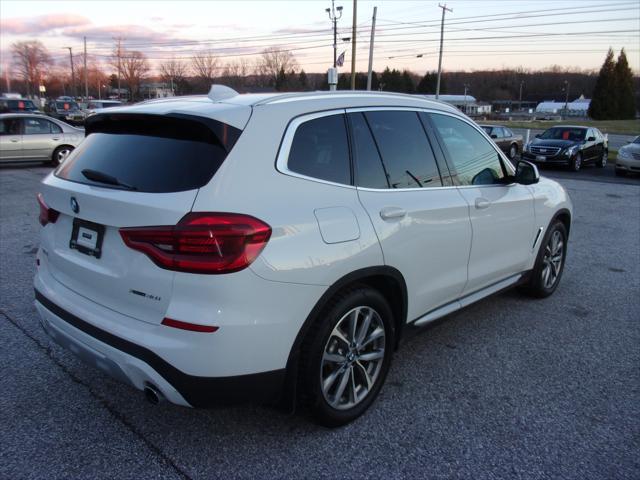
(277, 247)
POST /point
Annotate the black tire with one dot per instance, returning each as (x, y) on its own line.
(56, 158)
(320, 338)
(513, 151)
(537, 286)
(576, 163)
(620, 173)
(602, 161)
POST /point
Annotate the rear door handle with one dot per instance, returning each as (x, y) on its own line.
(15, 140)
(482, 203)
(56, 138)
(391, 213)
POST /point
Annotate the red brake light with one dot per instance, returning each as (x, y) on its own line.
(192, 327)
(202, 242)
(47, 215)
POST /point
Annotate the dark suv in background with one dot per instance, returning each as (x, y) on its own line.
(17, 105)
(65, 109)
(568, 145)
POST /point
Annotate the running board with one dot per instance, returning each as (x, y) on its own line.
(467, 300)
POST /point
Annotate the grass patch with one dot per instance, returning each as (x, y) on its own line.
(622, 127)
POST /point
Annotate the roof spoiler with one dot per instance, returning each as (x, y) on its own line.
(221, 92)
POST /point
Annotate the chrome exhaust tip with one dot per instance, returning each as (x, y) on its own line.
(152, 395)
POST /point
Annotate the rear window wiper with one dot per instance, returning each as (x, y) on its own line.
(102, 177)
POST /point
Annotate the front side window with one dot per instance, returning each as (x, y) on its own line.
(35, 126)
(406, 154)
(507, 132)
(320, 149)
(10, 126)
(474, 159)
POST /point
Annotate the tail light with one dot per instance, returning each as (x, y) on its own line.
(202, 242)
(47, 215)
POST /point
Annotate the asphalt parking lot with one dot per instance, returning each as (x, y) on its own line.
(508, 388)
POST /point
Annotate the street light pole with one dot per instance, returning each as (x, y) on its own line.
(567, 84)
(444, 9)
(520, 97)
(334, 18)
(73, 75)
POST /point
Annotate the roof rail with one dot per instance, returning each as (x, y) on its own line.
(221, 92)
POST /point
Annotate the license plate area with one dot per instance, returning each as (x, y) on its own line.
(86, 237)
(541, 158)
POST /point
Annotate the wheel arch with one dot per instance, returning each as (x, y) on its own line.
(59, 147)
(563, 215)
(387, 280)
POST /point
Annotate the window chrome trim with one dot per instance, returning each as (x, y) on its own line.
(285, 147)
(282, 159)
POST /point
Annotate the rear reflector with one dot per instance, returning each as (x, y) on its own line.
(201, 242)
(169, 322)
(47, 215)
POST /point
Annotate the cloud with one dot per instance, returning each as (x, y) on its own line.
(41, 24)
(129, 33)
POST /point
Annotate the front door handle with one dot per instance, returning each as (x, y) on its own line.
(482, 203)
(15, 140)
(392, 213)
(56, 138)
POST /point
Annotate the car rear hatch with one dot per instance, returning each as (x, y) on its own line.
(132, 170)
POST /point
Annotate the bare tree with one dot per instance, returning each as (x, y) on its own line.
(134, 66)
(31, 59)
(173, 72)
(235, 73)
(273, 61)
(204, 66)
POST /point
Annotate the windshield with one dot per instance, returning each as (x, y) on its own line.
(487, 129)
(637, 140)
(69, 106)
(26, 105)
(565, 133)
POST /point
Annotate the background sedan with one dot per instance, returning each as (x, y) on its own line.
(28, 137)
(508, 142)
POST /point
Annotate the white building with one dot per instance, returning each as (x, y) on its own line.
(577, 108)
(465, 103)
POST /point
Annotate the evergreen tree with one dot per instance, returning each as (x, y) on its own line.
(427, 84)
(303, 81)
(391, 81)
(625, 101)
(603, 101)
(407, 82)
(281, 80)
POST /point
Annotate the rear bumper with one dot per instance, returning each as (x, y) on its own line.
(140, 367)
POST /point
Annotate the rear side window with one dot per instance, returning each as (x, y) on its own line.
(10, 126)
(33, 126)
(475, 160)
(320, 150)
(370, 171)
(152, 153)
(406, 153)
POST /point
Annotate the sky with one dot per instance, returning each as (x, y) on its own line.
(479, 34)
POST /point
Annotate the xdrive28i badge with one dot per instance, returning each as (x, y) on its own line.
(74, 205)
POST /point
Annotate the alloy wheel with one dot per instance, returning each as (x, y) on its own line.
(62, 155)
(512, 152)
(352, 358)
(552, 261)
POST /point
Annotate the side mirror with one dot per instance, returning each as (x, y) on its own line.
(493, 135)
(537, 135)
(591, 139)
(527, 173)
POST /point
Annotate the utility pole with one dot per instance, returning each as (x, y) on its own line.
(373, 34)
(567, 84)
(332, 16)
(520, 97)
(466, 87)
(73, 75)
(86, 75)
(444, 9)
(118, 52)
(353, 46)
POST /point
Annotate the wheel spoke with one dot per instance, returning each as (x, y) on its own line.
(346, 374)
(333, 358)
(353, 397)
(370, 356)
(364, 327)
(353, 325)
(377, 333)
(331, 379)
(340, 336)
(365, 374)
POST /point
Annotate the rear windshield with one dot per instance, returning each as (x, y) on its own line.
(562, 133)
(67, 106)
(151, 153)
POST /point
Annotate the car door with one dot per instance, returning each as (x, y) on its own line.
(590, 149)
(10, 139)
(40, 138)
(501, 211)
(421, 220)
